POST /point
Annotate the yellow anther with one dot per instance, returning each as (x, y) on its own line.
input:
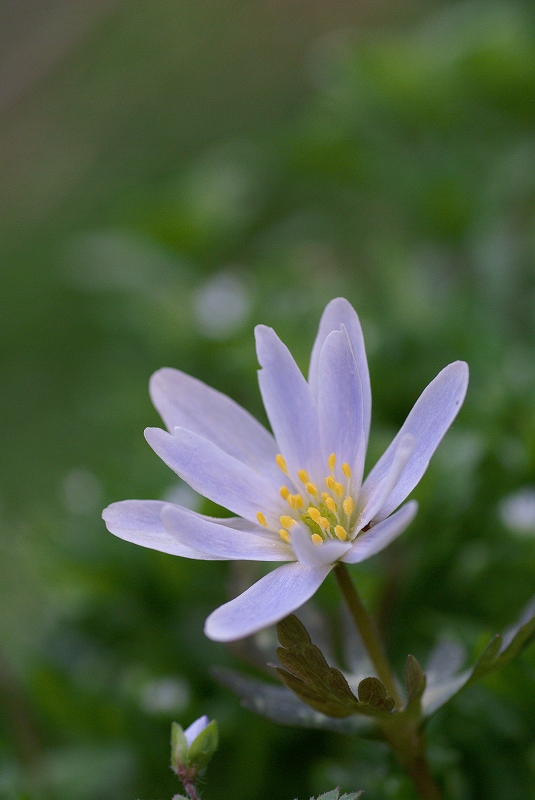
(324, 496)
(295, 501)
(324, 523)
(330, 482)
(314, 514)
(311, 488)
(329, 502)
(346, 469)
(316, 539)
(341, 533)
(348, 505)
(284, 492)
(284, 535)
(303, 475)
(339, 489)
(261, 518)
(281, 463)
(332, 461)
(287, 522)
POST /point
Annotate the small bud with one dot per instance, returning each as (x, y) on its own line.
(193, 748)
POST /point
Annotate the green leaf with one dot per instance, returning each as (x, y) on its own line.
(415, 679)
(372, 693)
(334, 794)
(203, 747)
(179, 747)
(308, 675)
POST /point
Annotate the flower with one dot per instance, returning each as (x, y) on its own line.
(299, 494)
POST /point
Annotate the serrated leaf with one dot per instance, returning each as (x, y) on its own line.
(334, 794)
(203, 747)
(415, 679)
(282, 706)
(308, 674)
(371, 692)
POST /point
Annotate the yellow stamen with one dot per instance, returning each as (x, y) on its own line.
(311, 488)
(261, 518)
(324, 496)
(316, 539)
(329, 502)
(332, 461)
(346, 469)
(348, 505)
(287, 522)
(303, 475)
(284, 535)
(341, 533)
(281, 463)
(284, 492)
(330, 482)
(314, 514)
(295, 501)
(339, 489)
(324, 523)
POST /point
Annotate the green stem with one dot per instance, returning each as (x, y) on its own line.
(367, 631)
(403, 735)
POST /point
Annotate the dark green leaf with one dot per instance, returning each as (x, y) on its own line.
(308, 675)
(372, 693)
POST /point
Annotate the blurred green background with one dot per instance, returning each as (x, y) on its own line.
(172, 174)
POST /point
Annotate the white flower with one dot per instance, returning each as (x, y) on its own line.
(299, 494)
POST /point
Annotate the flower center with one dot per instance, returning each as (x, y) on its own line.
(328, 514)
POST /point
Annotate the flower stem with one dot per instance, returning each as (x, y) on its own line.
(367, 631)
(403, 734)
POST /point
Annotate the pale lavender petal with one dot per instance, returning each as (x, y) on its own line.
(379, 536)
(266, 602)
(219, 540)
(339, 312)
(289, 405)
(216, 475)
(138, 521)
(430, 418)
(316, 555)
(375, 494)
(195, 728)
(340, 406)
(186, 402)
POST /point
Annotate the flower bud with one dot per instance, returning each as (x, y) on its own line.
(193, 748)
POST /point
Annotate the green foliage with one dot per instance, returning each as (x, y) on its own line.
(404, 181)
(308, 674)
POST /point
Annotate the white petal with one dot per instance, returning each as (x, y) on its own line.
(316, 555)
(340, 404)
(339, 312)
(374, 495)
(221, 541)
(268, 601)
(289, 405)
(379, 536)
(186, 402)
(195, 728)
(216, 475)
(430, 418)
(138, 521)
